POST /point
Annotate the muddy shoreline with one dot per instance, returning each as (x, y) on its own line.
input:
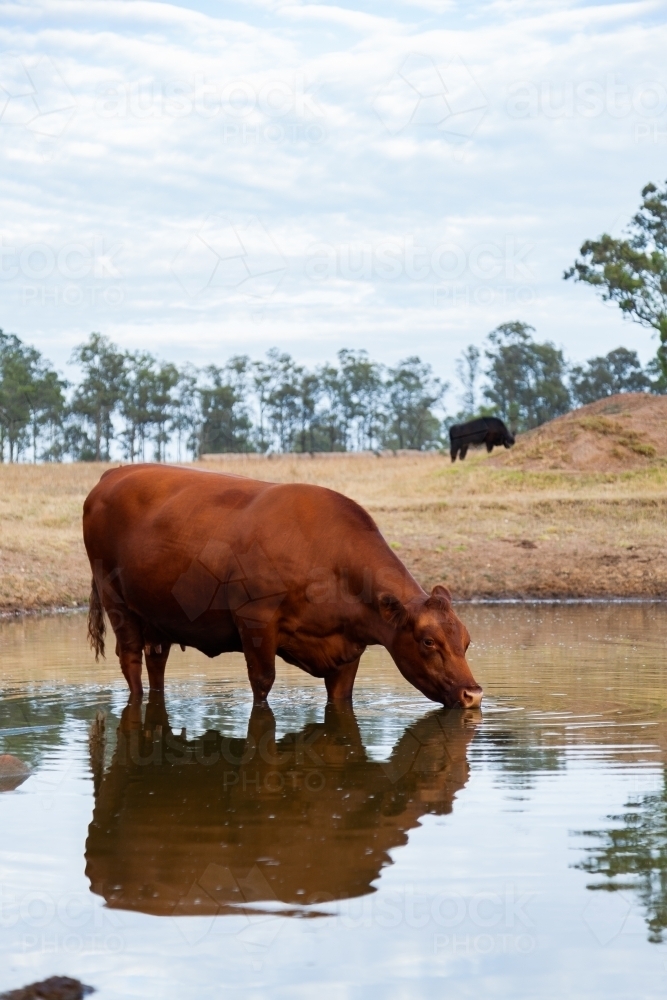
(19, 614)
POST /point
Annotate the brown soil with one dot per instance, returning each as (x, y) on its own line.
(615, 434)
(55, 988)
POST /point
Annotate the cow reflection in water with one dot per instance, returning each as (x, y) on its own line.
(184, 827)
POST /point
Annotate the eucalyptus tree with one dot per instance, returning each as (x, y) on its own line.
(330, 417)
(526, 380)
(412, 393)
(31, 401)
(284, 399)
(362, 392)
(261, 383)
(226, 423)
(468, 371)
(135, 403)
(186, 421)
(618, 371)
(632, 271)
(97, 397)
(310, 389)
(162, 406)
(47, 413)
(15, 390)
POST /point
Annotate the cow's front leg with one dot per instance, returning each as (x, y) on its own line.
(260, 656)
(340, 681)
(156, 661)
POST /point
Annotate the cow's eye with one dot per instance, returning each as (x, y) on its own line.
(428, 642)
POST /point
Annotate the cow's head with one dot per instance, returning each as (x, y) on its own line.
(428, 644)
(508, 439)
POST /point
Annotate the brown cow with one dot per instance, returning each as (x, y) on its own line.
(224, 563)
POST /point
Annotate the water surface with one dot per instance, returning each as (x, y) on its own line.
(198, 848)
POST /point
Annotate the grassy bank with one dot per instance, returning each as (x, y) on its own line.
(488, 531)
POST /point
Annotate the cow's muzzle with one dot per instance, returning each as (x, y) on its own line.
(471, 697)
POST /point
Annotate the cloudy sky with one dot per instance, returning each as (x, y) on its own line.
(207, 178)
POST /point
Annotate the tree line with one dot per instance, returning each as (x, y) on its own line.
(527, 383)
(133, 405)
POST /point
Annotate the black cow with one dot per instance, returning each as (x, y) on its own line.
(485, 430)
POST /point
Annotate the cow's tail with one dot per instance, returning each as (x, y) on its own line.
(96, 624)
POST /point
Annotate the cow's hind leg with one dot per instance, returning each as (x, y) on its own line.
(464, 451)
(129, 644)
(340, 682)
(156, 661)
(452, 451)
(260, 656)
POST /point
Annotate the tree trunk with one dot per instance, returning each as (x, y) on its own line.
(98, 437)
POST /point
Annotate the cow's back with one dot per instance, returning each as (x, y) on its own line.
(477, 426)
(151, 523)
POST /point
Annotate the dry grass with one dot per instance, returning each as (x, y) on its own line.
(490, 531)
(42, 557)
(486, 529)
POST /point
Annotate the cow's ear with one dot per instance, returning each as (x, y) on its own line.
(440, 598)
(393, 612)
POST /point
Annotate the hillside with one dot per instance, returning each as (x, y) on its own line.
(614, 434)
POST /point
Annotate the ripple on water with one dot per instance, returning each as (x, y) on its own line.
(184, 844)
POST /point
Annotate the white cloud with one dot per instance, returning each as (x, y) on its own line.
(424, 150)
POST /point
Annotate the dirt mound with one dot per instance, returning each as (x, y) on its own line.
(55, 988)
(628, 431)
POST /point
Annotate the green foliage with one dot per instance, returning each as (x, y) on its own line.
(273, 404)
(413, 392)
(32, 402)
(133, 404)
(226, 425)
(633, 271)
(632, 855)
(657, 378)
(362, 395)
(618, 371)
(96, 399)
(526, 379)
